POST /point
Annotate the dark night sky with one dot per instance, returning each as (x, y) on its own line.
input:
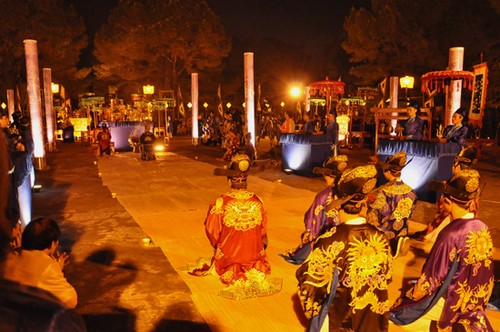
(282, 19)
(295, 22)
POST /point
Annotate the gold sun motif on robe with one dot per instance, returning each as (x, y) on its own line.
(479, 247)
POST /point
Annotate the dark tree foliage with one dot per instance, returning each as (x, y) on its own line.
(156, 42)
(60, 36)
(407, 37)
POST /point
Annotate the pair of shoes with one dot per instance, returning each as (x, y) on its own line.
(403, 246)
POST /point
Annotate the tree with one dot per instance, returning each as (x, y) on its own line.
(154, 41)
(400, 37)
(47, 22)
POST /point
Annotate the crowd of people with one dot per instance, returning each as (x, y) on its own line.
(352, 237)
(355, 229)
(34, 294)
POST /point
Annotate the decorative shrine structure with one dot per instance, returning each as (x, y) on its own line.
(325, 93)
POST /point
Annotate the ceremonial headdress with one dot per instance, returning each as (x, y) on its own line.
(238, 168)
(333, 166)
(395, 162)
(353, 185)
(467, 156)
(462, 187)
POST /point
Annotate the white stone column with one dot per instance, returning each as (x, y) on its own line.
(49, 108)
(308, 102)
(194, 101)
(394, 86)
(249, 95)
(33, 77)
(11, 103)
(454, 90)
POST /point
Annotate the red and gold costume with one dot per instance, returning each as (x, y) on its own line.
(236, 227)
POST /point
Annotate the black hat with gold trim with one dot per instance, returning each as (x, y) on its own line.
(462, 187)
(333, 166)
(395, 162)
(467, 156)
(354, 185)
(238, 167)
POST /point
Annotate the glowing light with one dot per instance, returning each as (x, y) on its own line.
(295, 91)
(282, 104)
(148, 89)
(406, 82)
(343, 121)
(228, 105)
(205, 104)
(297, 155)
(190, 105)
(54, 87)
(146, 241)
(159, 147)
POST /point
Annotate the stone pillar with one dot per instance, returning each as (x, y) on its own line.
(11, 103)
(194, 101)
(308, 102)
(394, 87)
(454, 90)
(49, 108)
(249, 95)
(33, 78)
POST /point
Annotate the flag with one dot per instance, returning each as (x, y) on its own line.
(258, 99)
(476, 111)
(219, 103)
(182, 111)
(382, 87)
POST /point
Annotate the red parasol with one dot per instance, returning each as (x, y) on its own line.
(439, 79)
(326, 88)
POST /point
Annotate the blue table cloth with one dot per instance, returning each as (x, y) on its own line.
(429, 161)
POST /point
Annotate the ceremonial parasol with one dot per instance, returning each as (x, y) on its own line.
(326, 89)
(437, 80)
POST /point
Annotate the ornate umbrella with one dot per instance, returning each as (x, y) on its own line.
(439, 79)
(326, 90)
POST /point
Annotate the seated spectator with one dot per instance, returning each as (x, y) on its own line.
(414, 126)
(457, 131)
(38, 264)
(25, 308)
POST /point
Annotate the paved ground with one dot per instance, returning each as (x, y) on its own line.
(125, 286)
